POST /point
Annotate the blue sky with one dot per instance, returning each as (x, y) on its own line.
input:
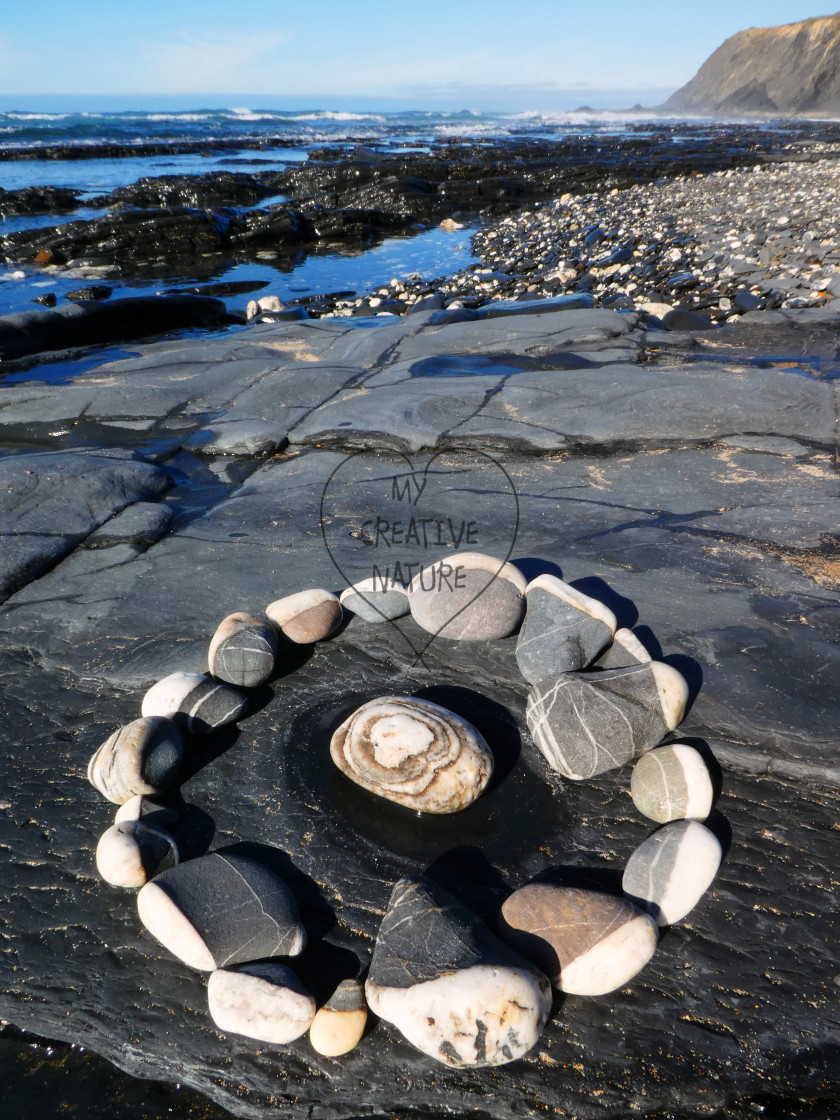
(469, 53)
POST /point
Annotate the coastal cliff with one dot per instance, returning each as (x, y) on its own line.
(792, 70)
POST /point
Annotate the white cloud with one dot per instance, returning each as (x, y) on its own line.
(211, 62)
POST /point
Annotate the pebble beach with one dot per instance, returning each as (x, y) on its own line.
(718, 244)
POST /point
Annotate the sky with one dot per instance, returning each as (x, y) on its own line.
(453, 54)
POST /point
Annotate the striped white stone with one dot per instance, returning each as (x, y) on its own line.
(672, 783)
(669, 873)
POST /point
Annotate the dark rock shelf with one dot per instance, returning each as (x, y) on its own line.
(697, 498)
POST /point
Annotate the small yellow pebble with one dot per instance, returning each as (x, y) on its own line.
(339, 1025)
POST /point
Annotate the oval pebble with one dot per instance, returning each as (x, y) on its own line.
(151, 812)
(587, 943)
(468, 596)
(626, 649)
(672, 783)
(265, 1001)
(307, 616)
(195, 701)
(243, 650)
(376, 599)
(142, 757)
(338, 1026)
(413, 752)
(669, 873)
(131, 853)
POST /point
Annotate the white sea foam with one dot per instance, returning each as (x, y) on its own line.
(36, 116)
(330, 115)
(179, 117)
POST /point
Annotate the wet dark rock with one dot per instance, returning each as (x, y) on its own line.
(126, 239)
(48, 299)
(139, 525)
(218, 188)
(91, 322)
(37, 200)
(680, 320)
(51, 501)
(98, 291)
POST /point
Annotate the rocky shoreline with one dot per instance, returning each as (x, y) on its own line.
(663, 230)
(718, 245)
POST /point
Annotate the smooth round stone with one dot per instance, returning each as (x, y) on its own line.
(468, 596)
(142, 757)
(131, 853)
(338, 1026)
(195, 701)
(588, 723)
(450, 986)
(222, 909)
(585, 942)
(308, 616)
(265, 1001)
(564, 630)
(672, 783)
(376, 600)
(413, 752)
(669, 873)
(243, 650)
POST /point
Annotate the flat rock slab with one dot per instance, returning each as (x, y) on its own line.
(718, 547)
(50, 502)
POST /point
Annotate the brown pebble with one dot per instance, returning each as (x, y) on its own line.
(308, 616)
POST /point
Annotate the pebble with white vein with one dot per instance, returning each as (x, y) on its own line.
(221, 909)
(669, 873)
(243, 650)
(195, 701)
(564, 630)
(588, 723)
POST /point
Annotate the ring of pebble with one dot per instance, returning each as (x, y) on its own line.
(460, 992)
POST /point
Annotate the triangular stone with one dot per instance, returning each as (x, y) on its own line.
(563, 629)
(588, 723)
(449, 984)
